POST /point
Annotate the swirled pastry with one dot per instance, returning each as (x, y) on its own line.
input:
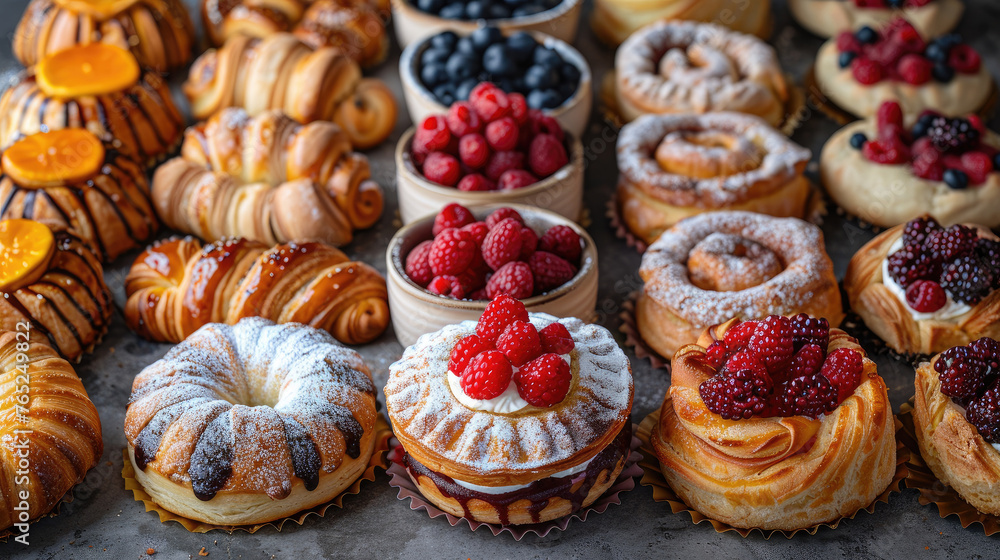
(251, 423)
(158, 32)
(923, 288)
(720, 265)
(269, 179)
(689, 67)
(775, 424)
(497, 442)
(615, 20)
(826, 18)
(175, 287)
(674, 166)
(282, 72)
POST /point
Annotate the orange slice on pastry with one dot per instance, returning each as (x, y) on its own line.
(26, 247)
(92, 69)
(48, 159)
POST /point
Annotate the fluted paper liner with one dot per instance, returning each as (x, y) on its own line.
(662, 492)
(932, 490)
(625, 482)
(382, 435)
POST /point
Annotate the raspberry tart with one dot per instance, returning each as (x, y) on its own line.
(517, 418)
(776, 424)
(886, 174)
(955, 413)
(923, 288)
(826, 18)
(860, 70)
(720, 265)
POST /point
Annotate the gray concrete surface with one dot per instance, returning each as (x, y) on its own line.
(104, 521)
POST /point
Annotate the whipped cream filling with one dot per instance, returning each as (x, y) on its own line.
(506, 403)
(950, 310)
(507, 489)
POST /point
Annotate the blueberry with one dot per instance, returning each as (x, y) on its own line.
(434, 56)
(507, 84)
(540, 77)
(956, 179)
(521, 47)
(543, 99)
(866, 35)
(461, 66)
(570, 74)
(455, 10)
(498, 11)
(515, 3)
(846, 58)
(858, 140)
(445, 40)
(996, 162)
(465, 45)
(950, 40)
(433, 74)
(497, 60)
(923, 124)
(942, 72)
(895, 3)
(529, 10)
(430, 6)
(464, 89)
(485, 36)
(547, 57)
(566, 90)
(935, 52)
(444, 91)
(477, 9)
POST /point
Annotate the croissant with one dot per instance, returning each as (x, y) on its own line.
(63, 439)
(282, 72)
(176, 286)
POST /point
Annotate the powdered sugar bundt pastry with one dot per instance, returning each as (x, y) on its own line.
(251, 423)
(689, 67)
(858, 71)
(777, 424)
(615, 20)
(826, 18)
(923, 288)
(887, 174)
(515, 419)
(675, 166)
(720, 265)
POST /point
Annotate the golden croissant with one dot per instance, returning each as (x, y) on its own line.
(176, 286)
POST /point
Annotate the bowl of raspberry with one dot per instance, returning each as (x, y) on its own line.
(415, 19)
(551, 75)
(490, 149)
(445, 267)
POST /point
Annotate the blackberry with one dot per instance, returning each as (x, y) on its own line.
(984, 413)
(962, 374)
(810, 330)
(988, 350)
(952, 135)
(989, 252)
(911, 263)
(967, 279)
(922, 126)
(736, 395)
(805, 396)
(915, 231)
(956, 241)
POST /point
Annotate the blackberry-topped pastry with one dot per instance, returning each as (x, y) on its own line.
(775, 424)
(885, 173)
(614, 20)
(517, 418)
(826, 18)
(923, 288)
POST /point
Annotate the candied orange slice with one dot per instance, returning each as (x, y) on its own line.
(50, 159)
(101, 9)
(26, 247)
(92, 69)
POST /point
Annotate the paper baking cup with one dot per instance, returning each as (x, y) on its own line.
(932, 490)
(662, 492)
(625, 482)
(618, 226)
(633, 338)
(382, 435)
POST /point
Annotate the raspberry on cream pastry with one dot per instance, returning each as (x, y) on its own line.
(826, 18)
(515, 419)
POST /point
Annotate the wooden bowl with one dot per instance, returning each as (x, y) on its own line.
(561, 192)
(415, 311)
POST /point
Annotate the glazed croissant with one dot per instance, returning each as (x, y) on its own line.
(269, 179)
(176, 286)
(282, 72)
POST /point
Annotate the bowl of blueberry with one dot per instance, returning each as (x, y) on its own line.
(416, 19)
(551, 75)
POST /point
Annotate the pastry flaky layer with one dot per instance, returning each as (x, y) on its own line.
(251, 423)
(951, 446)
(891, 318)
(615, 20)
(826, 18)
(775, 473)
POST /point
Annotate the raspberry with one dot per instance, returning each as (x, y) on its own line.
(717, 353)
(889, 113)
(914, 69)
(451, 252)
(441, 168)
(556, 339)
(501, 134)
(738, 336)
(772, 342)
(479, 295)
(513, 279)
(498, 315)
(550, 271)
(807, 361)
(518, 107)
(902, 33)
(847, 42)
(476, 182)
(866, 71)
(520, 343)
(544, 381)
(967, 279)
(805, 396)
(432, 135)
(463, 119)
(473, 150)
(529, 243)
(467, 348)
(453, 215)
(984, 414)
(516, 179)
(949, 244)
(964, 59)
(447, 285)
(916, 230)
(928, 165)
(563, 241)
(489, 101)
(923, 143)
(503, 161)
(885, 54)
(501, 214)
(546, 155)
(544, 124)
(843, 368)
(502, 244)
(810, 330)
(885, 153)
(926, 296)
(954, 135)
(487, 375)
(978, 166)
(478, 231)
(417, 267)
(737, 394)
(977, 123)
(745, 360)
(962, 374)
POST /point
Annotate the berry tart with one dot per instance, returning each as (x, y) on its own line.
(923, 288)
(517, 418)
(675, 166)
(490, 149)
(886, 174)
(445, 269)
(551, 75)
(690, 67)
(416, 19)
(956, 413)
(719, 265)
(776, 424)
(614, 20)
(826, 18)
(858, 71)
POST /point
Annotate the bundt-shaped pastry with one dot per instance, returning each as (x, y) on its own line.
(269, 179)
(826, 18)
(354, 26)
(251, 423)
(690, 67)
(795, 453)
(715, 266)
(69, 179)
(615, 20)
(177, 286)
(99, 87)
(282, 72)
(159, 32)
(54, 282)
(49, 428)
(675, 166)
